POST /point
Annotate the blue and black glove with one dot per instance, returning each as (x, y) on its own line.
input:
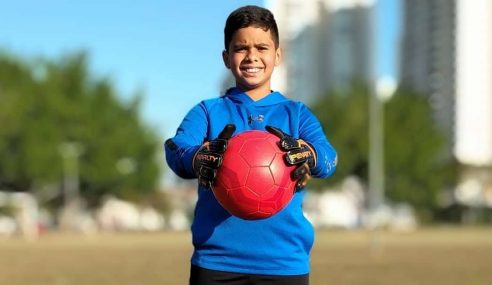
(299, 153)
(209, 157)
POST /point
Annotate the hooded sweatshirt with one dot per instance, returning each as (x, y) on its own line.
(278, 245)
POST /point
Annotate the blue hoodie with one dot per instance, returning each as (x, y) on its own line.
(279, 245)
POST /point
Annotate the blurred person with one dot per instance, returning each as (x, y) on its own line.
(227, 249)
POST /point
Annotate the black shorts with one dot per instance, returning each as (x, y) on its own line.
(202, 276)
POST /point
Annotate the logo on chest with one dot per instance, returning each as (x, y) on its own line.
(258, 119)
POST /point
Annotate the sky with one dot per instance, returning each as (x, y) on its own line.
(388, 16)
(171, 50)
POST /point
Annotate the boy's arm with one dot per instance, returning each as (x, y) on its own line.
(310, 130)
(190, 135)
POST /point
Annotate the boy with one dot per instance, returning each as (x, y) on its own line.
(228, 250)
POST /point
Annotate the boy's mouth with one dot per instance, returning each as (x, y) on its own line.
(251, 71)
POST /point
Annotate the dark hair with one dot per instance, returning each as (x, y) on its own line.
(250, 16)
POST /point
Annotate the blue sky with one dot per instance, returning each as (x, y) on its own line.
(388, 16)
(169, 49)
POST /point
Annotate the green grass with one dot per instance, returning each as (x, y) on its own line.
(426, 257)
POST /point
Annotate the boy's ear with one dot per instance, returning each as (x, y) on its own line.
(225, 57)
(278, 56)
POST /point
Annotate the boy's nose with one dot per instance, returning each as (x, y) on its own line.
(251, 56)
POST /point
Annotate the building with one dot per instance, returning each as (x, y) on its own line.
(327, 45)
(447, 56)
(428, 50)
(474, 82)
(473, 132)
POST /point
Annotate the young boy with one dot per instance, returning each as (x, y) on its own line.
(228, 250)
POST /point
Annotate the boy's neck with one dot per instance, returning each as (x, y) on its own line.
(257, 93)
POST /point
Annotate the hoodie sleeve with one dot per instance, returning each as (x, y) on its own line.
(310, 130)
(189, 137)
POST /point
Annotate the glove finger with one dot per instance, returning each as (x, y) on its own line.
(303, 174)
(217, 146)
(300, 171)
(205, 183)
(302, 183)
(227, 132)
(275, 131)
(207, 173)
(289, 143)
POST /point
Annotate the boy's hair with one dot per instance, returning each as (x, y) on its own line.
(250, 16)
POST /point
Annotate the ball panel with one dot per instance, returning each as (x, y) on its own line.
(276, 199)
(281, 172)
(258, 215)
(274, 141)
(221, 193)
(234, 171)
(257, 152)
(235, 144)
(269, 200)
(255, 134)
(243, 201)
(287, 194)
(260, 180)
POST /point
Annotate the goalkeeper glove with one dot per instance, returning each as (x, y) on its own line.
(299, 153)
(209, 157)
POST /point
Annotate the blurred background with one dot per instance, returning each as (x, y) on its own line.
(89, 92)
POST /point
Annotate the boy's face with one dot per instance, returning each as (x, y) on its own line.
(251, 58)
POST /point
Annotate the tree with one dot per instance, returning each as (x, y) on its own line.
(416, 170)
(45, 103)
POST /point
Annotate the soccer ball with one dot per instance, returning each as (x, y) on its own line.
(253, 181)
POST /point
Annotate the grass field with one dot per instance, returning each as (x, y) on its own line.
(426, 257)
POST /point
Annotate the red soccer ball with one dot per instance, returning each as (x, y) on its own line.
(254, 182)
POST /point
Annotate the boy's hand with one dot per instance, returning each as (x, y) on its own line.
(299, 153)
(209, 157)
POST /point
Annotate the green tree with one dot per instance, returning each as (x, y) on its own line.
(416, 169)
(45, 103)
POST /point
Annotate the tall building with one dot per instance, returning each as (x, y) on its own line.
(292, 16)
(447, 56)
(327, 45)
(427, 57)
(474, 82)
(474, 101)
